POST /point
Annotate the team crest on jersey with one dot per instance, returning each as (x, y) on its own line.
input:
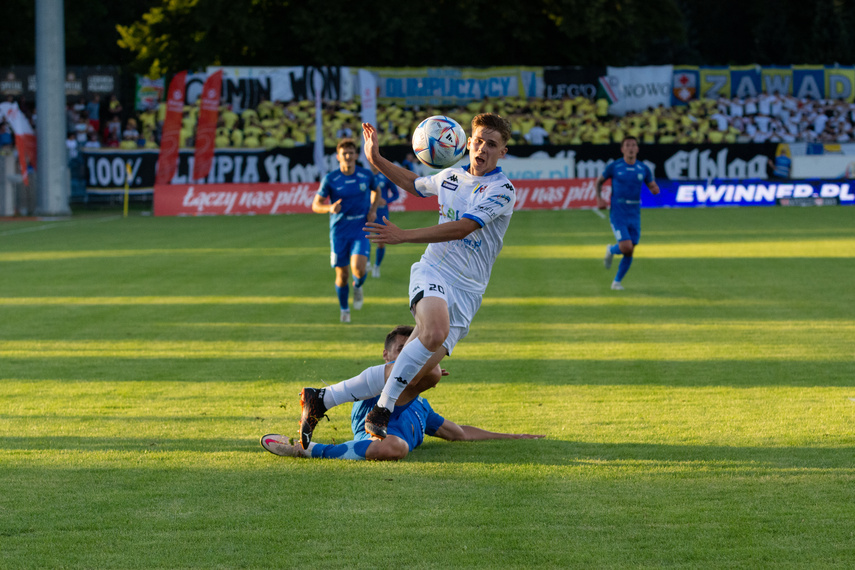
(480, 188)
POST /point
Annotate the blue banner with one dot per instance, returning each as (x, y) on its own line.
(751, 192)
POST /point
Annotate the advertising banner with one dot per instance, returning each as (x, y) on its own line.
(296, 198)
(684, 84)
(572, 82)
(746, 192)
(639, 88)
(245, 87)
(104, 167)
(206, 128)
(149, 92)
(824, 166)
(168, 160)
(455, 85)
(80, 82)
(244, 199)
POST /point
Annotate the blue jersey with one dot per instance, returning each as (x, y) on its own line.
(782, 166)
(354, 190)
(411, 422)
(626, 186)
(388, 192)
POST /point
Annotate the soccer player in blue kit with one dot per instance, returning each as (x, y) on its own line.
(476, 202)
(353, 200)
(408, 425)
(627, 175)
(388, 193)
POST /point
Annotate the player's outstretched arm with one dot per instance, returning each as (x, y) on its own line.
(400, 176)
(391, 234)
(453, 432)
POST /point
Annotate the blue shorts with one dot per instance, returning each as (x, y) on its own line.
(382, 213)
(342, 249)
(627, 229)
(410, 422)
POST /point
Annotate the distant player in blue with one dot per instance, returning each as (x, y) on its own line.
(353, 200)
(408, 425)
(782, 163)
(389, 193)
(627, 175)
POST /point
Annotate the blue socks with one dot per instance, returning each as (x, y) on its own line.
(349, 450)
(358, 282)
(378, 255)
(625, 262)
(342, 293)
(615, 249)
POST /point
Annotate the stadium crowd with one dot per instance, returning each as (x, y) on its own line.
(569, 121)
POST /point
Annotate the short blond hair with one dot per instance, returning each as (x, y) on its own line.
(493, 122)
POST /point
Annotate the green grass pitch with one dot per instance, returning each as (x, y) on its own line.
(703, 418)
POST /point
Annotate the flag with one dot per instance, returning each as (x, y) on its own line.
(25, 138)
(609, 86)
(368, 90)
(206, 128)
(319, 135)
(167, 162)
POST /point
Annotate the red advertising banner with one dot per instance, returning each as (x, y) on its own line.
(557, 194)
(206, 128)
(167, 163)
(296, 198)
(242, 199)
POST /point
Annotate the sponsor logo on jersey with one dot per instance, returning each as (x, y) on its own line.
(449, 186)
(449, 212)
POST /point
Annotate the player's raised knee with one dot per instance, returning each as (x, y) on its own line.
(390, 449)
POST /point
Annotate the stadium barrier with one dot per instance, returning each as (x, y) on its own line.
(105, 168)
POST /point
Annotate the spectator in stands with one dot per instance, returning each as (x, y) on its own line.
(93, 110)
(92, 141)
(537, 135)
(71, 146)
(782, 163)
(6, 140)
(130, 135)
(114, 108)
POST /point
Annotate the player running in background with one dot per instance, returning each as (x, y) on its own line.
(446, 285)
(353, 200)
(408, 425)
(627, 175)
(388, 193)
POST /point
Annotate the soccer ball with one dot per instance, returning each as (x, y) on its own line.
(439, 141)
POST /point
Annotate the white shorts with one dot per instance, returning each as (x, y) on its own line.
(425, 281)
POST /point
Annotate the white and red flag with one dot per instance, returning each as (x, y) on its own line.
(25, 138)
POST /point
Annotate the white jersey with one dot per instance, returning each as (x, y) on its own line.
(488, 200)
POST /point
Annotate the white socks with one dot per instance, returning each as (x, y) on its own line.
(412, 359)
(366, 384)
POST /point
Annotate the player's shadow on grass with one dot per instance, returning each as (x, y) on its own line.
(547, 452)
(127, 444)
(634, 456)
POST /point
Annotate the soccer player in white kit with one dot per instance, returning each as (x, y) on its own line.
(475, 204)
